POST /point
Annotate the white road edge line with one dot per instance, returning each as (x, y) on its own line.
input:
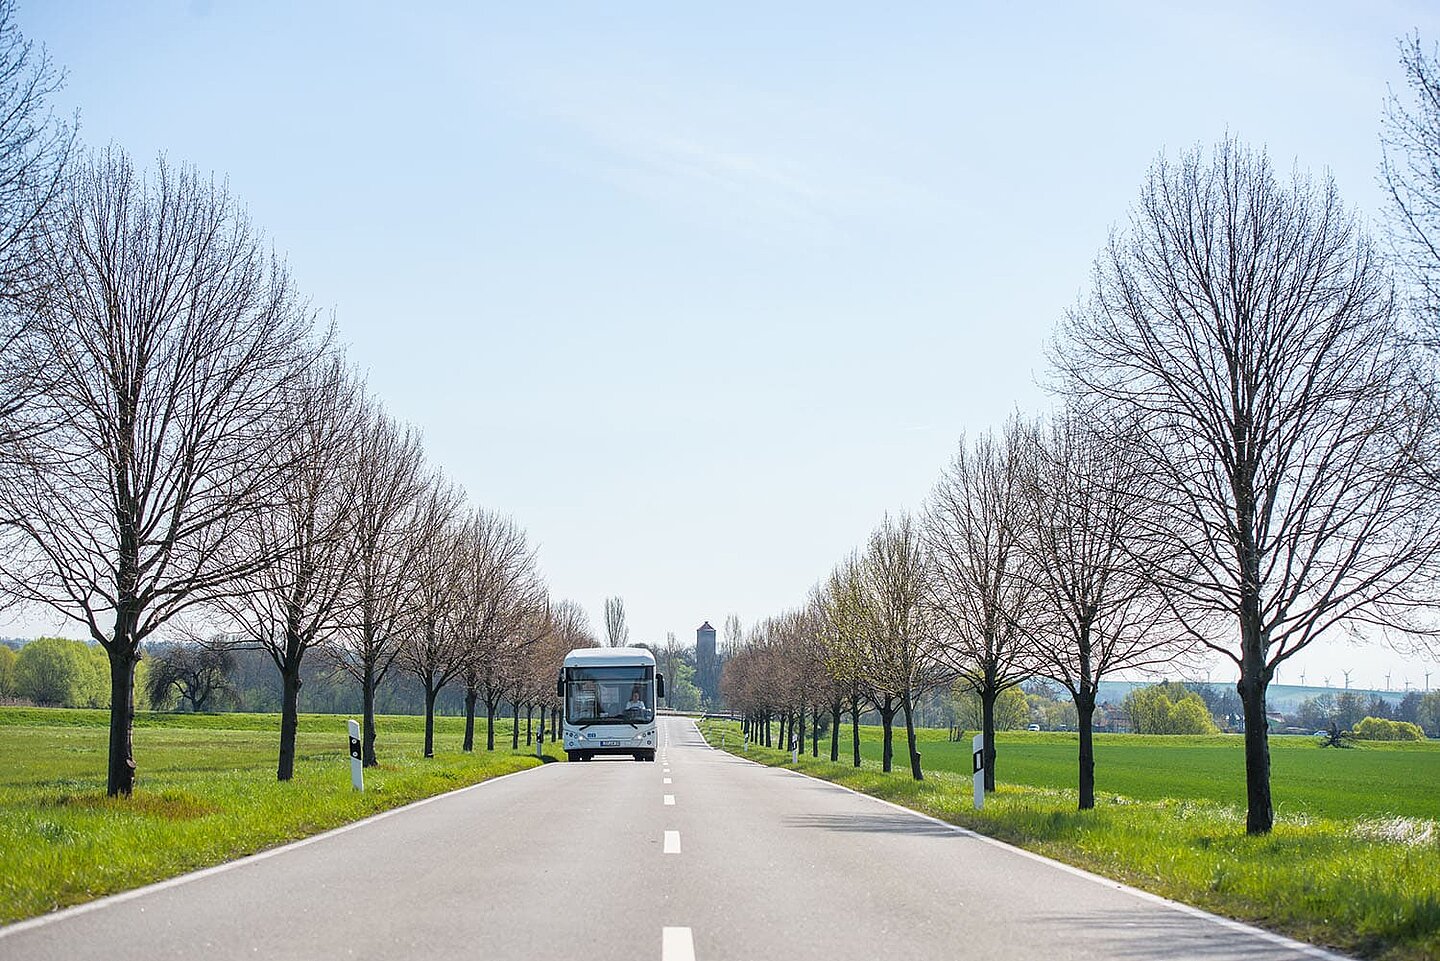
(676, 944)
(1310, 950)
(669, 799)
(31, 923)
(672, 842)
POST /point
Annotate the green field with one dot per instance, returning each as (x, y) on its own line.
(1376, 779)
(205, 793)
(1353, 863)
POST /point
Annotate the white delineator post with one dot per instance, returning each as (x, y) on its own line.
(977, 748)
(357, 768)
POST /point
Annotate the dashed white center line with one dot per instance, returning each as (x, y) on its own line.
(666, 771)
(672, 842)
(667, 780)
(669, 799)
(676, 944)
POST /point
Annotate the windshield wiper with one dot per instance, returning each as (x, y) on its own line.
(591, 721)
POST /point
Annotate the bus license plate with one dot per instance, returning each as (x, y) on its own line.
(609, 743)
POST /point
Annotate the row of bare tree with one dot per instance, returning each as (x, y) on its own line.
(1244, 460)
(182, 443)
(1022, 564)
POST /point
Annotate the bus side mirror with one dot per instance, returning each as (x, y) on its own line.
(560, 685)
(659, 684)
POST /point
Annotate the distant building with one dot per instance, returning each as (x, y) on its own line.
(707, 664)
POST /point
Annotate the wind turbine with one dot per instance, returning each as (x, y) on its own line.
(1347, 677)
(1327, 680)
(1387, 680)
(1302, 678)
(1427, 682)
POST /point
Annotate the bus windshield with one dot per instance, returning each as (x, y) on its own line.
(610, 695)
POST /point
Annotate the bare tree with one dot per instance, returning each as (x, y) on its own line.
(433, 651)
(1410, 171)
(617, 633)
(734, 635)
(902, 657)
(387, 541)
(978, 593)
(1248, 327)
(290, 605)
(669, 655)
(826, 688)
(841, 623)
(171, 342)
(544, 661)
(502, 589)
(35, 149)
(1087, 504)
(825, 642)
(527, 631)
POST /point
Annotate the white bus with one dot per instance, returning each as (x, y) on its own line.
(609, 695)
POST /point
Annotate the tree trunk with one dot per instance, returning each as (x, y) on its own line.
(909, 708)
(368, 698)
(120, 780)
(855, 727)
(514, 725)
(490, 708)
(784, 740)
(289, 720)
(529, 724)
(1260, 812)
(815, 734)
(988, 696)
(835, 707)
(430, 720)
(1085, 716)
(471, 695)
(887, 722)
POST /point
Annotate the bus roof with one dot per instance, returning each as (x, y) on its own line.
(609, 657)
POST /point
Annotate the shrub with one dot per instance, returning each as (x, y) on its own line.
(1381, 729)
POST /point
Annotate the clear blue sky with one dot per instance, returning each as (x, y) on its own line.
(697, 294)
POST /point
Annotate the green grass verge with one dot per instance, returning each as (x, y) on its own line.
(205, 793)
(1353, 862)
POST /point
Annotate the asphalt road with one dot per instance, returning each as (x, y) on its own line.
(699, 856)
